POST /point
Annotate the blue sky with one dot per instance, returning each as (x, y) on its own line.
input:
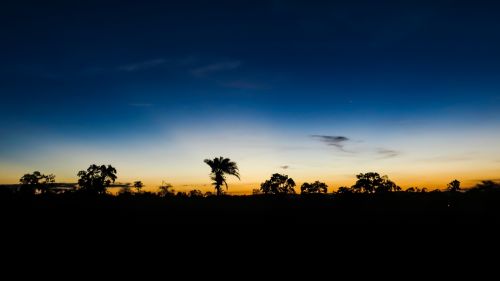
(154, 88)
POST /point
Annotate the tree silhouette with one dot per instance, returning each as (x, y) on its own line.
(256, 191)
(195, 193)
(315, 187)
(454, 186)
(344, 190)
(278, 184)
(487, 185)
(96, 179)
(416, 189)
(165, 189)
(36, 182)
(125, 190)
(220, 168)
(181, 194)
(374, 183)
(138, 185)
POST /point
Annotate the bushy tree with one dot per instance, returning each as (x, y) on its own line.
(454, 186)
(315, 187)
(138, 185)
(96, 179)
(278, 184)
(374, 183)
(36, 181)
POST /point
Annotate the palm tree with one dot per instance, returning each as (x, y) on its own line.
(220, 168)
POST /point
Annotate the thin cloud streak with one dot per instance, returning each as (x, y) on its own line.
(215, 67)
(387, 153)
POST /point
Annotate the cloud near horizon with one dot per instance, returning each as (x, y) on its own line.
(387, 153)
(335, 141)
(339, 142)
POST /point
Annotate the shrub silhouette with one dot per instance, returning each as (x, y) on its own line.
(486, 186)
(181, 194)
(165, 189)
(195, 193)
(416, 189)
(125, 190)
(344, 190)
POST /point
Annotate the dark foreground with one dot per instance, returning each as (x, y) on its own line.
(438, 209)
(255, 231)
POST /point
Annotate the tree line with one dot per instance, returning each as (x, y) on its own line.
(96, 180)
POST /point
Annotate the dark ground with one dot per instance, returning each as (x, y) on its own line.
(422, 210)
(254, 234)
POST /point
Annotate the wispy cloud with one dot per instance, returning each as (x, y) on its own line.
(335, 141)
(284, 167)
(139, 104)
(215, 67)
(142, 65)
(339, 143)
(387, 153)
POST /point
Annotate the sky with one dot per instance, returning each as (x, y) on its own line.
(316, 90)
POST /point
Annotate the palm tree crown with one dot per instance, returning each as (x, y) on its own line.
(220, 168)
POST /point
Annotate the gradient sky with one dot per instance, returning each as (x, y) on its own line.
(318, 91)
